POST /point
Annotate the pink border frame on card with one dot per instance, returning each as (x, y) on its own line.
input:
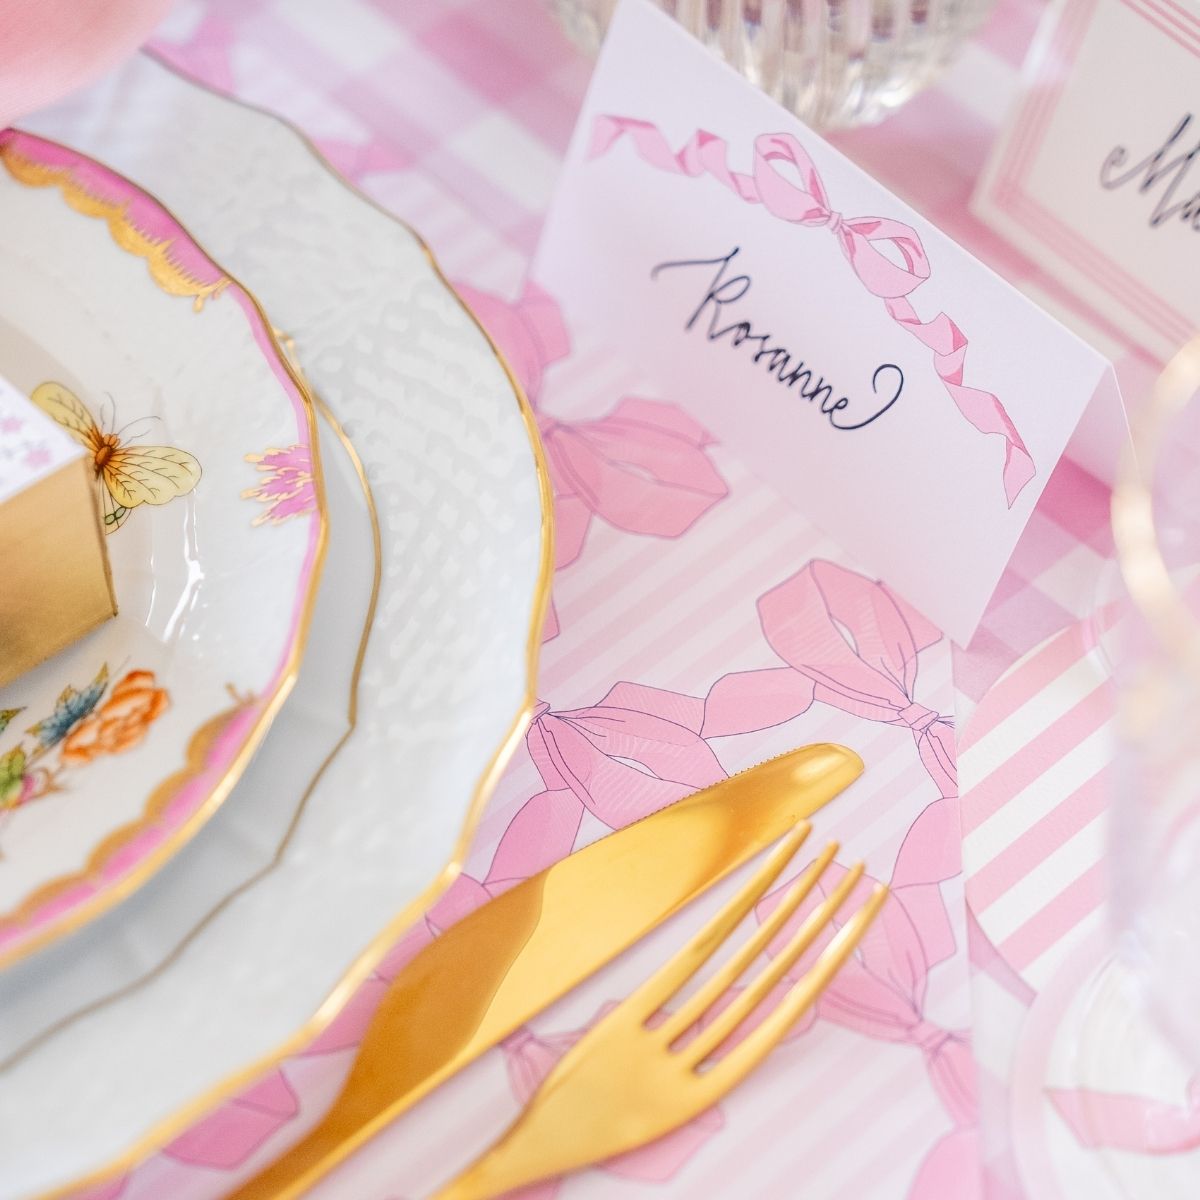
(1030, 129)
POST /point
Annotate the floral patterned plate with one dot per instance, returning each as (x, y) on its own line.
(358, 810)
(122, 330)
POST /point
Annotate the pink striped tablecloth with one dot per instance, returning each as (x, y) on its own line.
(699, 626)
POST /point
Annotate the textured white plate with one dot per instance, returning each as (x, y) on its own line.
(445, 687)
(114, 752)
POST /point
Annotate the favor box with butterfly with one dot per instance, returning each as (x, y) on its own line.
(57, 583)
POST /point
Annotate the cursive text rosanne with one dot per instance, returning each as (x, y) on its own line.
(722, 291)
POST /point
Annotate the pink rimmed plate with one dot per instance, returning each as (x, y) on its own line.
(359, 809)
(113, 753)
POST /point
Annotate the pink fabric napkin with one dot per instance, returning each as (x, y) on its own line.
(50, 47)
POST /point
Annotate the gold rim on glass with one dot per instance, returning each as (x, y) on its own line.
(359, 970)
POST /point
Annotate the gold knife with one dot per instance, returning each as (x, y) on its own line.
(515, 956)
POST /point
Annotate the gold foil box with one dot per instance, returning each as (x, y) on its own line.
(55, 584)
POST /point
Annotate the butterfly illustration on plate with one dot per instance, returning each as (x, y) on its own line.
(127, 475)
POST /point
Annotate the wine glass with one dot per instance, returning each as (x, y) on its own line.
(834, 63)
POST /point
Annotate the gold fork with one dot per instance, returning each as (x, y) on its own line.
(627, 1082)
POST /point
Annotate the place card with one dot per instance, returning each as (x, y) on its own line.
(897, 391)
(1096, 174)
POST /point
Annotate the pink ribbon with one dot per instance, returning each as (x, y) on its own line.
(803, 201)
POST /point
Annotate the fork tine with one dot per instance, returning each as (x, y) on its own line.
(762, 1040)
(666, 981)
(696, 1006)
(726, 1022)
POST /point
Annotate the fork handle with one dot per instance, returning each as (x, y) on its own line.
(536, 1146)
(492, 1175)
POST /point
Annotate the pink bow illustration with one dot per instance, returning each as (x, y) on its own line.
(644, 467)
(227, 1137)
(858, 645)
(529, 331)
(1126, 1122)
(588, 751)
(930, 854)
(850, 642)
(802, 200)
(584, 757)
(881, 991)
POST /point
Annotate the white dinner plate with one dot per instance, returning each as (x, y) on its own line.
(374, 827)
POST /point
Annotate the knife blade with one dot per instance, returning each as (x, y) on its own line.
(515, 956)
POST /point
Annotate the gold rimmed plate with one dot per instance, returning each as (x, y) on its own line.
(164, 369)
(358, 813)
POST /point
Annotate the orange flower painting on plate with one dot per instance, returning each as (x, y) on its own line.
(121, 721)
(86, 724)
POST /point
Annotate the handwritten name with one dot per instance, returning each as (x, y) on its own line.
(1155, 169)
(723, 291)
